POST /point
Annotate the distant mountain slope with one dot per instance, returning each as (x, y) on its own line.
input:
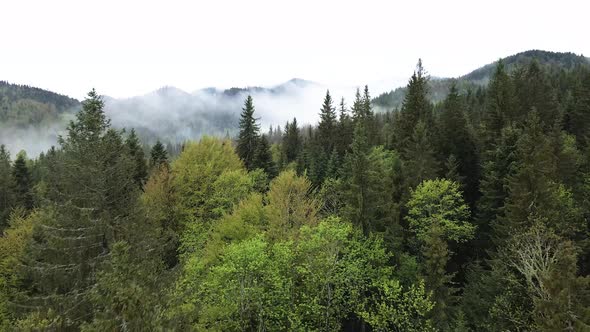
(22, 105)
(439, 87)
(32, 118)
(173, 115)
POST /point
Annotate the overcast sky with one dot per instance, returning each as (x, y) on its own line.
(125, 48)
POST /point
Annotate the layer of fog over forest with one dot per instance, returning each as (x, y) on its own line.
(174, 115)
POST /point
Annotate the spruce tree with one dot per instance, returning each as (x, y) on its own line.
(22, 182)
(158, 156)
(501, 105)
(420, 160)
(249, 134)
(416, 107)
(455, 138)
(6, 187)
(577, 117)
(369, 118)
(327, 124)
(292, 141)
(136, 153)
(496, 170)
(357, 168)
(345, 130)
(263, 157)
(90, 204)
(534, 91)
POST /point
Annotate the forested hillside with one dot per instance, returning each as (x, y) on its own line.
(469, 214)
(553, 62)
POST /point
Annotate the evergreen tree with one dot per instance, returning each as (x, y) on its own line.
(291, 141)
(136, 153)
(534, 91)
(22, 182)
(369, 118)
(415, 108)
(91, 202)
(158, 156)
(345, 130)
(263, 157)
(6, 187)
(455, 139)
(501, 103)
(420, 161)
(327, 124)
(498, 167)
(357, 164)
(249, 136)
(577, 117)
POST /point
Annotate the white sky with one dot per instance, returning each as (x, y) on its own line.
(125, 48)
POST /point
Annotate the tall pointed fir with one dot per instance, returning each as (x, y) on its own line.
(136, 152)
(263, 157)
(577, 117)
(534, 91)
(6, 187)
(90, 204)
(369, 118)
(327, 125)
(456, 139)
(420, 160)
(345, 130)
(249, 134)
(291, 142)
(23, 187)
(500, 105)
(416, 107)
(357, 182)
(158, 156)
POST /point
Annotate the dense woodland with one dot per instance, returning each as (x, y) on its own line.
(469, 214)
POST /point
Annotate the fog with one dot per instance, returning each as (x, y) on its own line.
(174, 116)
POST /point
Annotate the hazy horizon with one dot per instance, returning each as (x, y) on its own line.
(131, 48)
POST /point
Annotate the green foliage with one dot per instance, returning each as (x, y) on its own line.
(249, 135)
(419, 157)
(136, 153)
(438, 203)
(415, 108)
(196, 172)
(23, 186)
(127, 293)
(263, 157)
(158, 156)
(6, 187)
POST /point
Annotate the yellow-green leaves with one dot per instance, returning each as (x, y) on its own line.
(439, 203)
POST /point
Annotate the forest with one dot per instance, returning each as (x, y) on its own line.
(464, 214)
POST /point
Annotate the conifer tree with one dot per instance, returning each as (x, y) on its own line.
(327, 124)
(136, 153)
(22, 182)
(292, 141)
(456, 139)
(158, 156)
(91, 202)
(358, 108)
(345, 130)
(369, 118)
(419, 157)
(416, 107)
(6, 187)
(534, 91)
(501, 103)
(357, 164)
(577, 117)
(263, 157)
(249, 134)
